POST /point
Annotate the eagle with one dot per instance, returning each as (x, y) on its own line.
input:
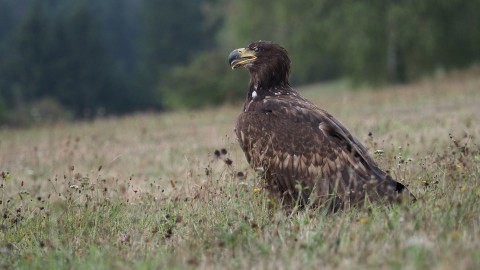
(306, 155)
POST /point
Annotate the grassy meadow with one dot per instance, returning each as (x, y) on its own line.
(147, 191)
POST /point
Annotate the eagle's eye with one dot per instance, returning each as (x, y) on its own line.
(256, 49)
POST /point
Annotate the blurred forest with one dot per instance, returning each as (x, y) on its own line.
(70, 59)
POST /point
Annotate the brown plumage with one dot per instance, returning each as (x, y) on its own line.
(307, 155)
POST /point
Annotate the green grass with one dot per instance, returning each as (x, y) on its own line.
(147, 192)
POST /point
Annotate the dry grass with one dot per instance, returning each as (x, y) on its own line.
(148, 191)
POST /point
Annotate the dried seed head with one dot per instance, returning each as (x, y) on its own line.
(5, 175)
(168, 233)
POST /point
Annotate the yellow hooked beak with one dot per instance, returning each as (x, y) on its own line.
(241, 57)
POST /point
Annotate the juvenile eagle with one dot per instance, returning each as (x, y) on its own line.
(306, 154)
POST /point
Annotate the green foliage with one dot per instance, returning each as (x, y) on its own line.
(3, 111)
(117, 56)
(32, 44)
(437, 34)
(173, 31)
(6, 22)
(88, 83)
(207, 80)
(373, 42)
(63, 57)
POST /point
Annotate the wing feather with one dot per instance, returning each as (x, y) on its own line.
(304, 144)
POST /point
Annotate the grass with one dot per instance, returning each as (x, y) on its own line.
(148, 191)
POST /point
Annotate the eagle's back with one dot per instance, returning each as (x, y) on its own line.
(307, 154)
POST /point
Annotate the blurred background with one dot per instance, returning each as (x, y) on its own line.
(80, 59)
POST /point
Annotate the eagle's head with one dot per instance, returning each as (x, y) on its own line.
(267, 62)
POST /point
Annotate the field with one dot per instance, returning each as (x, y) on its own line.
(148, 192)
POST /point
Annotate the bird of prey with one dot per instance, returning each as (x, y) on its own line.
(307, 156)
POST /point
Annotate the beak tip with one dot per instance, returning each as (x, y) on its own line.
(232, 56)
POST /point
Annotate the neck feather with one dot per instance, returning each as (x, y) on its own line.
(261, 81)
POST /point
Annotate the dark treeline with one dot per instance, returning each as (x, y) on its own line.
(64, 59)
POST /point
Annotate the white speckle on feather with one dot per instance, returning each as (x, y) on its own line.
(254, 94)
